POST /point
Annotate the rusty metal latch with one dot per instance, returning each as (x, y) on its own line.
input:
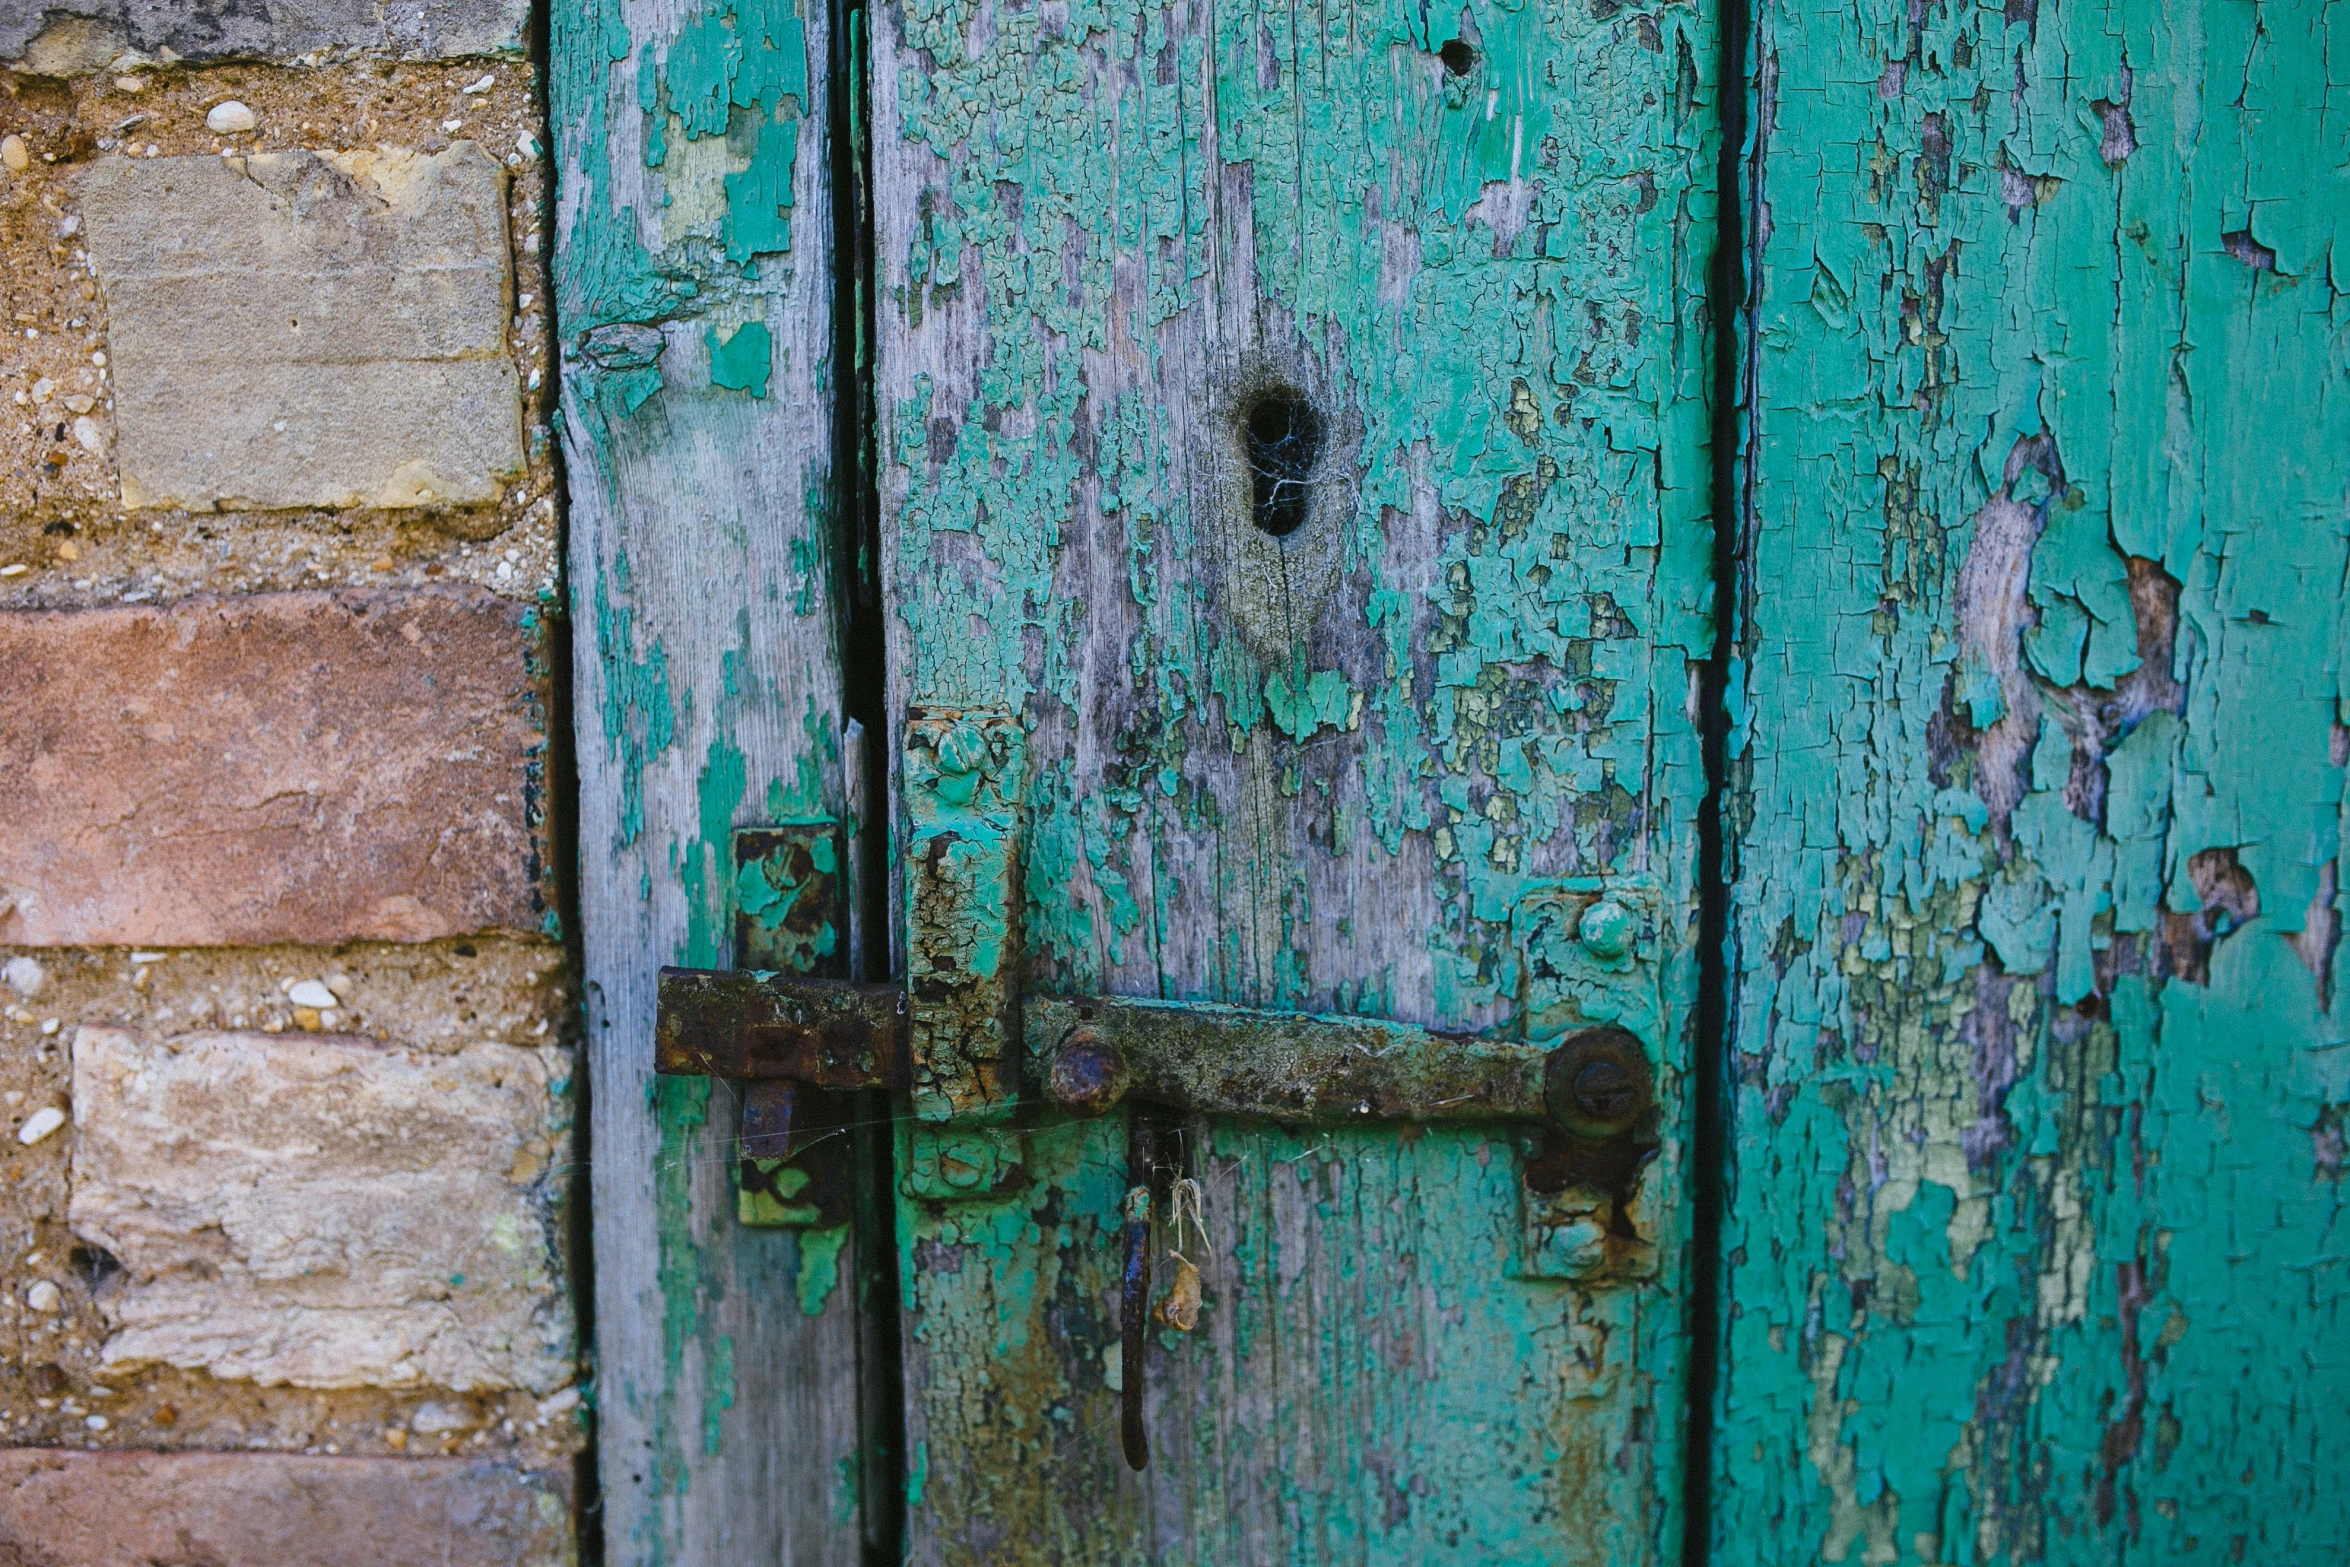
(1090, 1055)
(976, 1058)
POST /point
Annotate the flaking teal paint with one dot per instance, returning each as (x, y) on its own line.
(1614, 604)
(602, 274)
(818, 1266)
(1496, 281)
(738, 69)
(639, 721)
(2034, 1232)
(742, 361)
(695, 234)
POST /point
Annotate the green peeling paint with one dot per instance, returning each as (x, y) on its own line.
(1345, 771)
(677, 137)
(734, 74)
(741, 362)
(774, 1208)
(2042, 1067)
(717, 1390)
(820, 1266)
(1322, 701)
(787, 897)
(848, 1493)
(639, 720)
(739, 70)
(2034, 1240)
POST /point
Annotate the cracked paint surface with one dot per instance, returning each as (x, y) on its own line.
(2033, 1247)
(1331, 770)
(694, 287)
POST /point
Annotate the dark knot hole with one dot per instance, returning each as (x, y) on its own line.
(1458, 57)
(1283, 435)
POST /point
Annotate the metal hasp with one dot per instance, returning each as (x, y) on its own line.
(978, 1059)
(755, 1025)
(1088, 1056)
(1588, 1101)
(960, 776)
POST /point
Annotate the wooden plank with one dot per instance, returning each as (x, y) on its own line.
(1335, 768)
(693, 250)
(2034, 1240)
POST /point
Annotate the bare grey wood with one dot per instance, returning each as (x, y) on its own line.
(707, 698)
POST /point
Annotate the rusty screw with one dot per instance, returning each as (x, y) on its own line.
(1088, 1074)
(1596, 1084)
(1604, 1091)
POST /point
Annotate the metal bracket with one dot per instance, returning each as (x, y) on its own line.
(962, 781)
(962, 790)
(970, 1051)
(1590, 951)
(789, 917)
(788, 908)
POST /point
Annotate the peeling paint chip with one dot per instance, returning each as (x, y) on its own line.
(296, 329)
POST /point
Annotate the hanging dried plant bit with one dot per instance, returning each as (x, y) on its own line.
(1179, 1307)
(1189, 1206)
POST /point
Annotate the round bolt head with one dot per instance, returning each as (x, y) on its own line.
(1604, 1090)
(962, 750)
(1606, 929)
(1088, 1074)
(1596, 1085)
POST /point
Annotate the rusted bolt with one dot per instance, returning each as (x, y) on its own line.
(1597, 1084)
(1604, 1091)
(1606, 929)
(1088, 1074)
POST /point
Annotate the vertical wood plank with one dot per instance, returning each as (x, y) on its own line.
(1328, 770)
(695, 297)
(2034, 1238)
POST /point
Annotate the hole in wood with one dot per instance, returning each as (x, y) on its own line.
(1458, 57)
(1283, 435)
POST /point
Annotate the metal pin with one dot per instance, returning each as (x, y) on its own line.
(1134, 1300)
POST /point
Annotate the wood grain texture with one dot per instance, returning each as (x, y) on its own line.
(1331, 771)
(2034, 1242)
(695, 292)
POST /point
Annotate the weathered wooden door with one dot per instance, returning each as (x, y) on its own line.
(2032, 1244)
(1292, 435)
(1181, 609)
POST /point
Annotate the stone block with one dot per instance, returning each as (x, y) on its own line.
(322, 1210)
(78, 37)
(66, 1509)
(296, 329)
(287, 767)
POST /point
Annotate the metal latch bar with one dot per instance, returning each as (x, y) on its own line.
(1089, 1054)
(752, 1025)
(1280, 1066)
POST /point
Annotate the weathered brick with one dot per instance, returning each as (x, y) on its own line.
(322, 1210)
(66, 1509)
(299, 329)
(295, 767)
(76, 37)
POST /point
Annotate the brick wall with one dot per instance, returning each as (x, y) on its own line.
(286, 1037)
